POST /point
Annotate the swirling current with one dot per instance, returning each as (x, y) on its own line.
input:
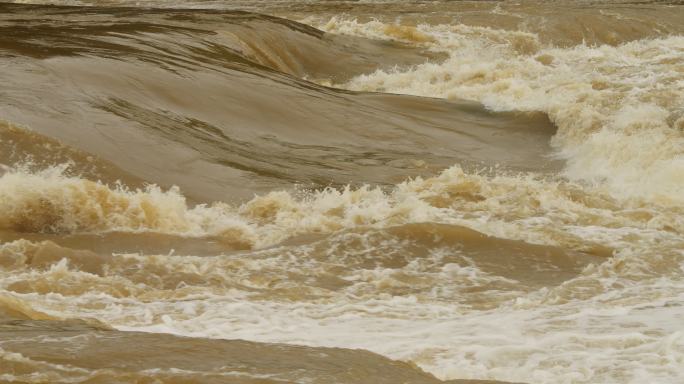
(292, 191)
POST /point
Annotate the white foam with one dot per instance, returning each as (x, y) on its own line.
(616, 108)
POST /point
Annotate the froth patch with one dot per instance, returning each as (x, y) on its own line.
(51, 202)
(19, 254)
(407, 33)
(15, 308)
(617, 108)
(522, 207)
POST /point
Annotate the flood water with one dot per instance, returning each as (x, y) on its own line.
(341, 191)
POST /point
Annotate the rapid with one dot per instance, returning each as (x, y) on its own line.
(341, 191)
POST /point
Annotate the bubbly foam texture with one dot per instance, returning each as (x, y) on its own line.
(365, 267)
(619, 321)
(618, 109)
(365, 289)
(515, 207)
(48, 201)
(420, 298)
(14, 307)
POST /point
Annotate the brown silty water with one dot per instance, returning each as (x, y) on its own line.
(341, 192)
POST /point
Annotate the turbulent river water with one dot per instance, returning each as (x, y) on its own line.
(341, 191)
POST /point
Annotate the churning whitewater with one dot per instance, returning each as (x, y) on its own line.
(341, 191)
